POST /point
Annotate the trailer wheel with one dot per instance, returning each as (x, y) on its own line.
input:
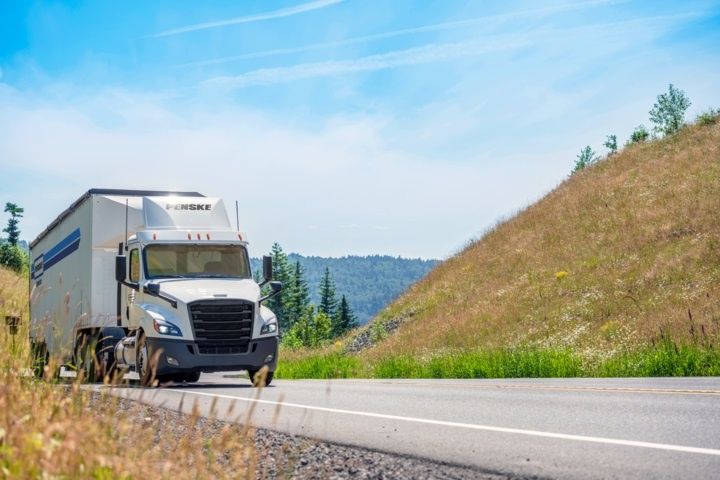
(85, 358)
(39, 359)
(256, 378)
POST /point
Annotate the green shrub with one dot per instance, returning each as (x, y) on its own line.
(708, 118)
(639, 135)
(584, 159)
(13, 257)
(611, 144)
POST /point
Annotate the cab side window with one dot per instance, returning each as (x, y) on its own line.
(134, 265)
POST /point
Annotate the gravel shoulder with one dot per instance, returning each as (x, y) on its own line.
(278, 455)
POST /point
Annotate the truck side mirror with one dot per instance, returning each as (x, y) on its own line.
(267, 269)
(120, 268)
(275, 288)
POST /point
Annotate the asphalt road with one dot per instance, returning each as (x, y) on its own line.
(556, 428)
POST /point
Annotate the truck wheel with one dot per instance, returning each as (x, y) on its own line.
(143, 362)
(255, 382)
(105, 354)
(191, 377)
(85, 359)
(106, 362)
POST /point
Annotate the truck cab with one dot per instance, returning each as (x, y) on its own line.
(188, 299)
(192, 306)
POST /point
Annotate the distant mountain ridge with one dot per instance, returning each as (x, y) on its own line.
(369, 282)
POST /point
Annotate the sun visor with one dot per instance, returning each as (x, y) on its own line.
(192, 213)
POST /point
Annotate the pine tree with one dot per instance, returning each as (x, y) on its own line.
(345, 319)
(298, 296)
(328, 300)
(12, 229)
(281, 272)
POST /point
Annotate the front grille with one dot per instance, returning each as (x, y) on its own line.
(222, 326)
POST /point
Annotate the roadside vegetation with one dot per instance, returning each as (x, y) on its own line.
(55, 429)
(616, 272)
(664, 359)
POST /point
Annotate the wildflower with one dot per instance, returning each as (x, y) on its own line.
(560, 275)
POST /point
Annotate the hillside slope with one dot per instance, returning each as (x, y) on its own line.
(613, 258)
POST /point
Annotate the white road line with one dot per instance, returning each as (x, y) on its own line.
(471, 426)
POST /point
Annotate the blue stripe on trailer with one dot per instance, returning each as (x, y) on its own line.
(62, 244)
(64, 248)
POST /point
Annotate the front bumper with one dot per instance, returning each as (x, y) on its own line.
(185, 353)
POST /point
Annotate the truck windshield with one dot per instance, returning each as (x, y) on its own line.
(196, 261)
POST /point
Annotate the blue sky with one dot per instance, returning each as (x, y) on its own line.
(342, 127)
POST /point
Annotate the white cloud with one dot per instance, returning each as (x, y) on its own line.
(285, 12)
(301, 187)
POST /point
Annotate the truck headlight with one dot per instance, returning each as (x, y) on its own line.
(166, 328)
(270, 327)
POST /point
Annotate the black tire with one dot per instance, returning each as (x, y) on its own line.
(39, 359)
(85, 359)
(253, 374)
(105, 353)
(191, 377)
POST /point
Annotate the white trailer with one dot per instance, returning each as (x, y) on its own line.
(155, 282)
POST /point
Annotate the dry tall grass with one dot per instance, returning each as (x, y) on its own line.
(617, 254)
(49, 429)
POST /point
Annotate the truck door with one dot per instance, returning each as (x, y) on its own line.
(131, 292)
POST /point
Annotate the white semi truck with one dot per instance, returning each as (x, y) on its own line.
(153, 282)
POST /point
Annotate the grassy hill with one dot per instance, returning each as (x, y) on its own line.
(618, 264)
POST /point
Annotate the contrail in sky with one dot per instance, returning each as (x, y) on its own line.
(284, 12)
(409, 31)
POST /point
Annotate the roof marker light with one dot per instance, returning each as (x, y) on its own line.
(154, 236)
(189, 237)
(208, 236)
(240, 237)
(198, 236)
